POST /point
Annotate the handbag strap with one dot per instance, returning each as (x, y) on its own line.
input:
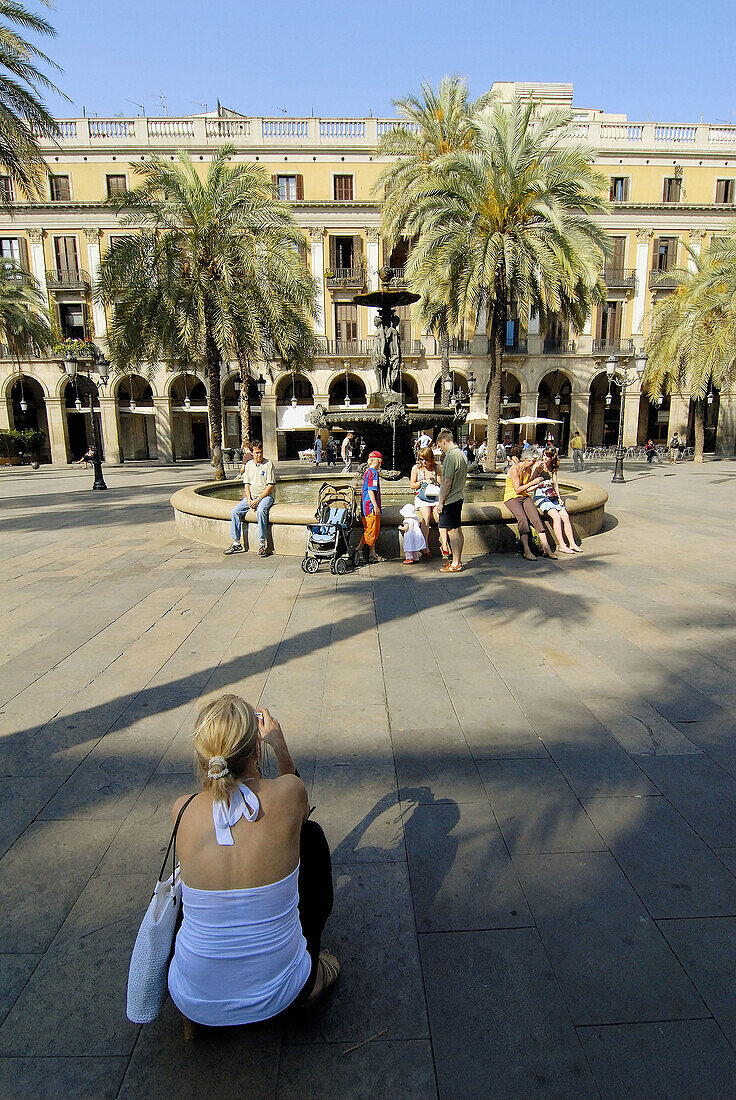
(172, 841)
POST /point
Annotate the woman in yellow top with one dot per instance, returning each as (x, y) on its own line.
(519, 484)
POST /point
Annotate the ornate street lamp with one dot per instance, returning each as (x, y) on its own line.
(472, 382)
(294, 401)
(102, 369)
(623, 380)
(261, 386)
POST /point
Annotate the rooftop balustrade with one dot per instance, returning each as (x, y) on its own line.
(258, 132)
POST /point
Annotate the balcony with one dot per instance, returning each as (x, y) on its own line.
(620, 277)
(399, 280)
(663, 280)
(458, 347)
(346, 278)
(553, 346)
(609, 346)
(67, 278)
(519, 347)
(343, 348)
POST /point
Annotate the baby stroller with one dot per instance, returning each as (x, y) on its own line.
(329, 538)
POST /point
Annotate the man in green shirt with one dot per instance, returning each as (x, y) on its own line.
(450, 505)
(577, 443)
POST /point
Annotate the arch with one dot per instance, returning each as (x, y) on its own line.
(554, 397)
(26, 402)
(298, 385)
(409, 389)
(11, 380)
(76, 395)
(187, 384)
(511, 389)
(356, 390)
(604, 411)
(132, 387)
(459, 385)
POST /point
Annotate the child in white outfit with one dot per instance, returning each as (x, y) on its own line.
(414, 541)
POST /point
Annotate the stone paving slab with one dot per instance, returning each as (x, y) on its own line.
(527, 776)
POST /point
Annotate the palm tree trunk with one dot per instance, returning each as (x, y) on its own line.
(700, 408)
(498, 331)
(214, 406)
(244, 404)
(445, 361)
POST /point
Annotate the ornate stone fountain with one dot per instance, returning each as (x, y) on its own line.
(387, 425)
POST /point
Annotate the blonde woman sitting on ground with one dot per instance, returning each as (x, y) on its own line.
(256, 879)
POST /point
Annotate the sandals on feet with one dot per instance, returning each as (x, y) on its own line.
(328, 971)
(448, 567)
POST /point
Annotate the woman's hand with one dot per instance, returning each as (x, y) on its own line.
(270, 729)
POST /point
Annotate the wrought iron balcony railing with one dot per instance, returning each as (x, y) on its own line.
(346, 278)
(67, 278)
(620, 345)
(554, 346)
(519, 347)
(662, 280)
(619, 277)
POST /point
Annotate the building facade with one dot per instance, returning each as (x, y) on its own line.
(671, 186)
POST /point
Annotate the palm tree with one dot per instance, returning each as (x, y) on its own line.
(212, 276)
(24, 320)
(23, 117)
(692, 340)
(432, 125)
(509, 224)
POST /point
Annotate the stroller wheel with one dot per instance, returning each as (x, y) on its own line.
(333, 569)
(341, 566)
(311, 565)
(304, 565)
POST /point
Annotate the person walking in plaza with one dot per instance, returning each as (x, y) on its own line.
(675, 447)
(256, 879)
(346, 452)
(318, 450)
(259, 481)
(519, 484)
(450, 504)
(577, 446)
(330, 451)
(650, 451)
(371, 507)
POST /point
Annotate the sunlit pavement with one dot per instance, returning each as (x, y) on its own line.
(527, 774)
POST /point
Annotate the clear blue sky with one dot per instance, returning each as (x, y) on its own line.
(669, 61)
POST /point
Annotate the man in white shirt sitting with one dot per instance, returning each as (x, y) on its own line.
(259, 481)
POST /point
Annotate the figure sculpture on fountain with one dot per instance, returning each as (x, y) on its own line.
(386, 354)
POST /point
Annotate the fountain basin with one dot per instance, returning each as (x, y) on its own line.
(202, 515)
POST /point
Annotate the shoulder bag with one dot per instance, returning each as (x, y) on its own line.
(149, 962)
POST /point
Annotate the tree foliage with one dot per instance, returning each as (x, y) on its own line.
(23, 116)
(213, 275)
(692, 338)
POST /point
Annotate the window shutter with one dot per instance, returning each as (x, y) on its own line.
(333, 253)
(357, 252)
(655, 254)
(614, 320)
(612, 189)
(23, 248)
(300, 187)
(617, 256)
(599, 322)
(275, 182)
(720, 190)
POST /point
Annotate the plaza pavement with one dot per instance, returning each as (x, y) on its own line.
(527, 776)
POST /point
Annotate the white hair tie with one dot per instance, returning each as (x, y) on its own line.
(217, 768)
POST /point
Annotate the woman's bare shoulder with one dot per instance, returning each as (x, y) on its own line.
(180, 802)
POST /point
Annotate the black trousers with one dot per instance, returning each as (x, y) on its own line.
(315, 895)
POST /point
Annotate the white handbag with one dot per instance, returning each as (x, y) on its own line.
(149, 963)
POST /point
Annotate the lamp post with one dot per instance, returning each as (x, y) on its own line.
(102, 369)
(623, 380)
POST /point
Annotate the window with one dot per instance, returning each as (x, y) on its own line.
(615, 264)
(672, 190)
(60, 189)
(609, 323)
(290, 188)
(404, 315)
(346, 322)
(619, 189)
(116, 185)
(665, 253)
(65, 251)
(10, 249)
(345, 253)
(343, 186)
(726, 190)
(71, 321)
(6, 189)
